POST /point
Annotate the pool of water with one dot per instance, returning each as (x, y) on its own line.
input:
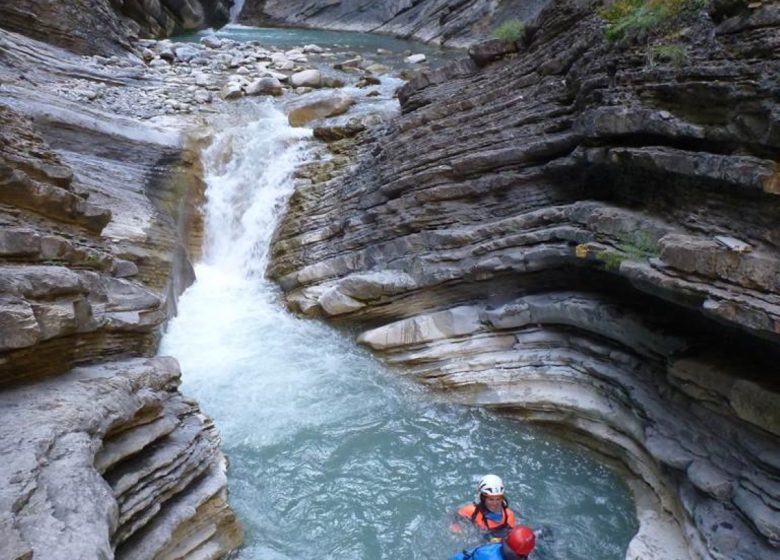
(364, 44)
(331, 455)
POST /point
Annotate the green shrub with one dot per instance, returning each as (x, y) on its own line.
(637, 246)
(674, 54)
(512, 30)
(635, 17)
(610, 259)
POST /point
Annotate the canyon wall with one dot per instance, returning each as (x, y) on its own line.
(582, 232)
(102, 456)
(454, 23)
(109, 26)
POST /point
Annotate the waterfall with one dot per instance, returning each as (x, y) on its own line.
(249, 171)
(235, 10)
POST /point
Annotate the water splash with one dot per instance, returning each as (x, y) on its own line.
(249, 178)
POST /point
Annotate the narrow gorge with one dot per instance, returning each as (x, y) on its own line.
(577, 229)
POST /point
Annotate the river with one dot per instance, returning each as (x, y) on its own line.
(331, 455)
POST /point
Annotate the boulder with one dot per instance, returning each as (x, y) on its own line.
(211, 41)
(306, 78)
(320, 109)
(231, 90)
(265, 86)
(336, 133)
(367, 81)
(415, 58)
(186, 53)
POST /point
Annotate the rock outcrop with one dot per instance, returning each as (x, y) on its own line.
(103, 457)
(584, 234)
(453, 23)
(109, 26)
(112, 462)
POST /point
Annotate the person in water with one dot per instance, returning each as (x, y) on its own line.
(491, 514)
(517, 545)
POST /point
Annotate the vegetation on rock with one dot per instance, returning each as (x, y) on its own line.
(643, 17)
(511, 30)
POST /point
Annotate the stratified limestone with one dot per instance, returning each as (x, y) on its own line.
(91, 258)
(584, 234)
(96, 212)
(72, 483)
(109, 26)
(448, 22)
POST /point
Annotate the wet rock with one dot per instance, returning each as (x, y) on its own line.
(336, 133)
(378, 69)
(367, 81)
(331, 82)
(320, 109)
(186, 53)
(211, 41)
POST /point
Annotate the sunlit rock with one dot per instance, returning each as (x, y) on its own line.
(306, 78)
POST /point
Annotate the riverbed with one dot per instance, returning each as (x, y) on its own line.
(331, 454)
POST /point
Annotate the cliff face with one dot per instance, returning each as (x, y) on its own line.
(103, 457)
(585, 234)
(108, 26)
(454, 23)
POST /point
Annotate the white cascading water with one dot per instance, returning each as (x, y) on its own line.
(235, 10)
(249, 171)
(331, 456)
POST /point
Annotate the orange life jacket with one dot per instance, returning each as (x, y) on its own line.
(476, 513)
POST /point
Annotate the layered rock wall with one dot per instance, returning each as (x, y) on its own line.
(585, 234)
(109, 26)
(103, 457)
(454, 23)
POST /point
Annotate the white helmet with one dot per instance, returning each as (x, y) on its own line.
(491, 485)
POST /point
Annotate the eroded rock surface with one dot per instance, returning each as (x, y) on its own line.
(97, 212)
(109, 26)
(444, 22)
(585, 234)
(112, 458)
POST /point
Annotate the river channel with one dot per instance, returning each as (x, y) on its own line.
(332, 455)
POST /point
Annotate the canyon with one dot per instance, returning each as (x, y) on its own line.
(572, 230)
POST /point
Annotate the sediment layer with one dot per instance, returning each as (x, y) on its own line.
(103, 457)
(583, 233)
(453, 23)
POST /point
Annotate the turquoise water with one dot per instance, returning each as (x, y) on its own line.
(338, 41)
(331, 455)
